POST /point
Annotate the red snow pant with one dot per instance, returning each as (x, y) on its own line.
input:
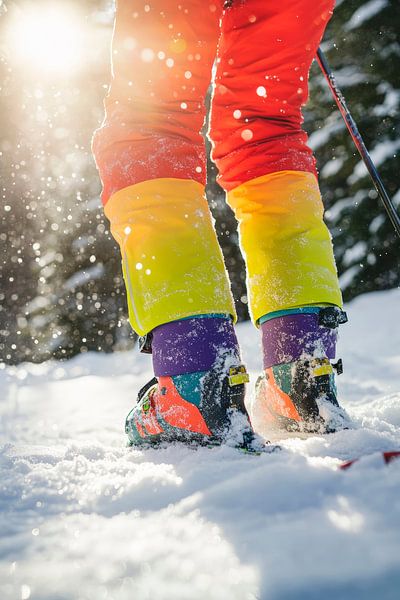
(151, 155)
(163, 52)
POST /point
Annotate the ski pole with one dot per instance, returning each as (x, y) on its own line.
(358, 141)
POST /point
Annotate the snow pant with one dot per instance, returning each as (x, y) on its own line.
(151, 155)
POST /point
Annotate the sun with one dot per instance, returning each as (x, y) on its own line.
(47, 39)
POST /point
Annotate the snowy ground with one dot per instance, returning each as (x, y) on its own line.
(84, 518)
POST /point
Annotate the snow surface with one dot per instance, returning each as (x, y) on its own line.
(84, 518)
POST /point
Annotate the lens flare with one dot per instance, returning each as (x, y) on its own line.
(46, 39)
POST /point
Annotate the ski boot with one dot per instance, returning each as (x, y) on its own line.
(205, 408)
(297, 392)
(197, 395)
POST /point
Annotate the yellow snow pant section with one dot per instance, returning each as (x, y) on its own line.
(287, 246)
(172, 263)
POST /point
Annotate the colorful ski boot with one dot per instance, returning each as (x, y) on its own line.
(297, 392)
(205, 408)
(197, 395)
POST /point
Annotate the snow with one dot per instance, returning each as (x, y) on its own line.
(382, 151)
(332, 167)
(319, 137)
(340, 206)
(396, 198)
(391, 101)
(349, 76)
(377, 222)
(81, 277)
(354, 253)
(365, 12)
(83, 518)
(347, 277)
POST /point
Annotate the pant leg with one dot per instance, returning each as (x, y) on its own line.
(151, 159)
(261, 83)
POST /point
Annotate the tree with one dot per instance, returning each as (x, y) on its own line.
(60, 268)
(363, 49)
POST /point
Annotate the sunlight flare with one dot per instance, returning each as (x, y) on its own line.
(47, 39)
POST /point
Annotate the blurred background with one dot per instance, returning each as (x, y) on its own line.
(61, 287)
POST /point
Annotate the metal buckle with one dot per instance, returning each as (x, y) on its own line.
(145, 342)
(238, 375)
(332, 317)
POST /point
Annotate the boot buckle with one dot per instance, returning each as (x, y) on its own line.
(238, 375)
(321, 367)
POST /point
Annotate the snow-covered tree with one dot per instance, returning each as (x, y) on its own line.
(62, 290)
(362, 46)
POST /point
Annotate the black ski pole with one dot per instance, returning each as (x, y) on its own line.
(358, 141)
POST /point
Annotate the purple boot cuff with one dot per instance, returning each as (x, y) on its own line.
(192, 345)
(291, 337)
